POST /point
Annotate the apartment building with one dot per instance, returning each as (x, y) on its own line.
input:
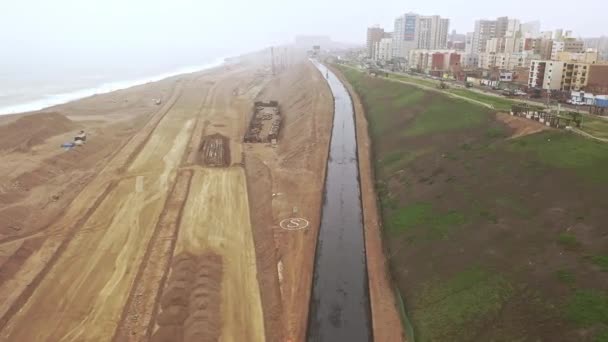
(404, 34)
(413, 31)
(566, 45)
(558, 75)
(505, 45)
(383, 50)
(434, 61)
(502, 26)
(484, 31)
(374, 35)
(590, 56)
(432, 32)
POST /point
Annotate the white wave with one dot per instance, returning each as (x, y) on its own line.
(57, 99)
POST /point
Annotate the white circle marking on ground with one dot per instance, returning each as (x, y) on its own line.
(296, 223)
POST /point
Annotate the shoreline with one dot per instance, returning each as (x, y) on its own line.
(53, 100)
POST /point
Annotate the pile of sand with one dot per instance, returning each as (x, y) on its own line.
(31, 130)
(190, 304)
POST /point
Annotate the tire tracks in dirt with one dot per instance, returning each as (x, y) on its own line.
(156, 118)
(99, 188)
(136, 321)
(141, 307)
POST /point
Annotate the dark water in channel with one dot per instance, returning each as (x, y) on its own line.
(339, 308)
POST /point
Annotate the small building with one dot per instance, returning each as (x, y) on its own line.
(580, 97)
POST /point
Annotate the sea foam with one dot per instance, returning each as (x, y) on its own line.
(57, 99)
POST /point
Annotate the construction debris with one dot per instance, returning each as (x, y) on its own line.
(215, 151)
(546, 117)
(265, 124)
(81, 138)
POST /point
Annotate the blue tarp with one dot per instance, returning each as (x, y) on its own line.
(601, 103)
(68, 146)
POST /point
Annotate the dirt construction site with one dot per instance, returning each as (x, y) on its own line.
(165, 225)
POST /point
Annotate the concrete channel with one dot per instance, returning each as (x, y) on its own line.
(339, 307)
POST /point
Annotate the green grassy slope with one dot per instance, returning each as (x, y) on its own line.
(490, 238)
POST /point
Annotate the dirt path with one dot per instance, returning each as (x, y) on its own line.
(385, 317)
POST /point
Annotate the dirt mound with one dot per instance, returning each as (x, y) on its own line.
(191, 301)
(521, 126)
(32, 130)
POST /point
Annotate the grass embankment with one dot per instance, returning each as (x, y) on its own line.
(490, 238)
(592, 125)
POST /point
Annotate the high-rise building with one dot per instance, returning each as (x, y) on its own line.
(484, 31)
(384, 50)
(502, 26)
(468, 41)
(432, 32)
(374, 34)
(404, 35)
(513, 28)
(413, 31)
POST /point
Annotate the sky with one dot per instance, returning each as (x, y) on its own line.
(132, 32)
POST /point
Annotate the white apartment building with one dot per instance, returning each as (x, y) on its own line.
(521, 59)
(506, 61)
(505, 45)
(513, 27)
(484, 30)
(404, 34)
(468, 43)
(413, 31)
(470, 60)
(432, 32)
(546, 74)
(433, 60)
(384, 50)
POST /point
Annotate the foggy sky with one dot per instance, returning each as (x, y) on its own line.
(39, 31)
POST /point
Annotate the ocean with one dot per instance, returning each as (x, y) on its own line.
(30, 89)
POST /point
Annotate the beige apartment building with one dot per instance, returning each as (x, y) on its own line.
(590, 56)
(566, 45)
(558, 75)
